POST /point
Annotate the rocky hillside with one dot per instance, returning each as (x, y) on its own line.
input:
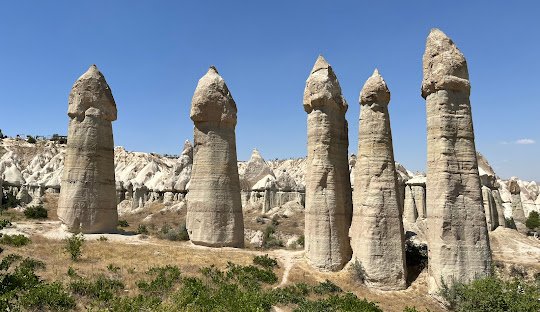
(29, 170)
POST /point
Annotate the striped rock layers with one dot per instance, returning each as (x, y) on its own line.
(87, 200)
(457, 234)
(328, 209)
(377, 237)
(214, 209)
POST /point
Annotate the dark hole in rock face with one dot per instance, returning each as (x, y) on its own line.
(416, 255)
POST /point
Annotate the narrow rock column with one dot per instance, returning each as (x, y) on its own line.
(517, 207)
(457, 234)
(499, 206)
(490, 209)
(87, 201)
(328, 187)
(377, 237)
(214, 208)
(410, 211)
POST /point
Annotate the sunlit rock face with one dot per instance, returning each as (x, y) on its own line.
(328, 188)
(377, 237)
(214, 208)
(456, 225)
(87, 200)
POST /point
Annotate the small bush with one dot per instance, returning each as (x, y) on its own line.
(30, 139)
(103, 238)
(36, 212)
(47, 297)
(123, 223)
(269, 238)
(142, 229)
(326, 287)
(102, 288)
(4, 223)
(73, 246)
(17, 240)
(164, 279)
(174, 234)
(533, 221)
(301, 240)
(112, 268)
(265, 261)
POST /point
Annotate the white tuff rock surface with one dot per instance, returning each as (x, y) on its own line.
(328, 187)
(457, 234)
(87, 200)
(214, 207)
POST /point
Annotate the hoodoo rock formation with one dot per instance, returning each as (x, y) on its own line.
(87, 201)
(377, 237)
(214, 208)
(328, 209)
(457, 234)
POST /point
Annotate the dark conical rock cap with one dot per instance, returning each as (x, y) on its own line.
(444, 66)
(91, 95)
(322, 88)
(212, 100)
(375, 90)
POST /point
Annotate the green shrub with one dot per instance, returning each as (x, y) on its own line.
(35, 212)
(301, 240)
(30, 139)
(164, 279)
(112, 268)
(123, 223)
(342, 303)
(174, 234)
(103, 238)
(269, 238)
(326, 287)
(359, 273)
(491, 294)
(47, 297)
(142, 229)
(265, 261)
(101, 288)
(73, 246)
(16, 240)
(4, 223)
(533, 221)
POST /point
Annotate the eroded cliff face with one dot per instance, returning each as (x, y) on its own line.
(87, 200)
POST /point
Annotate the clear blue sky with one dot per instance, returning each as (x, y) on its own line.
(153, 53)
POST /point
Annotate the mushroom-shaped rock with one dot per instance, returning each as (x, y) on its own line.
(214, 208)
(87, 201)
(328, 188)
(377, 237)
(457, 233)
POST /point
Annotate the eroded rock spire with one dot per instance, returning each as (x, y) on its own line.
(87, 200)
(214, 209)
(377, 237)
(457, 234)
(328, 187)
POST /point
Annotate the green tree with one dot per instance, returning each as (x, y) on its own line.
(533, 221)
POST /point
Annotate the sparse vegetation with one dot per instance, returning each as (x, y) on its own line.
(9, 201)
(73, 246)
(16, 240)
(174, 234)
(533, 221)
(35, 212)
(4, 223)
(103, 238)
(123, 223)
(269, 238)
(30, 139)
(359, 273)
(142, 229)
(265, 261)
(301, 240)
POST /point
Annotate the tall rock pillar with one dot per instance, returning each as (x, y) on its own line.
(214, 208)
(328, 187)
(457, 234)
(377, 237)
(87, 200)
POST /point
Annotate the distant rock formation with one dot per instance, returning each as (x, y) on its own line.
(87, 200)
(457, 234)
(328, 189)
(214, 208)
(377, 237)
